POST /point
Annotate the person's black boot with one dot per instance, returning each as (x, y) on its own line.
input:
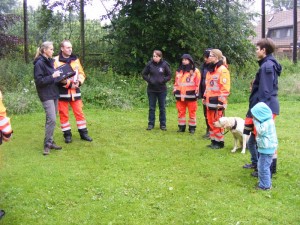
(213, 143)
(68, 136)
(218, 145)
(181, 128)
(192, 129)
(84, 135)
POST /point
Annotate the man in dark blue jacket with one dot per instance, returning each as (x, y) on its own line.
(264, 89)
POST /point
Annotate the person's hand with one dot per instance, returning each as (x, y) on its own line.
(75, 84)
(56, 74)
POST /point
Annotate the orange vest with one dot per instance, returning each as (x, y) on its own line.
(68, 93)
(5, 126)
(217, 87)
(186, 85)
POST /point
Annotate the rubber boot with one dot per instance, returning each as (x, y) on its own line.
(68, 136)
(84, 135)
(218, 145)
(192, 129)
(181, 128)
(213, 143)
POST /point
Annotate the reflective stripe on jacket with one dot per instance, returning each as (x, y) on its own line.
(186, 85)
(66, 92)
(217, 87)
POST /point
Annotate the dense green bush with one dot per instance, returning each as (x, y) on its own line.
(106, 89)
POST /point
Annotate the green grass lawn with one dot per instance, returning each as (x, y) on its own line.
(128, 175)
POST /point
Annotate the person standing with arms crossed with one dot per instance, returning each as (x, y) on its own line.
(157, 73)
(215, 96)
(69, 93)
(44, 77)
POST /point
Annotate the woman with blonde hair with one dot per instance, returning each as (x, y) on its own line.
(44, 77)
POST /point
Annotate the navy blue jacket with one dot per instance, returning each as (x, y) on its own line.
(265, 85)
(157, 75)
(44, 82)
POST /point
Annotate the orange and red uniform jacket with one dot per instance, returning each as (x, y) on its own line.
(186, 86)
(217, 87)
(66, 92)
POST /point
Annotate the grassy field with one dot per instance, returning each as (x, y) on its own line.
(128, 175)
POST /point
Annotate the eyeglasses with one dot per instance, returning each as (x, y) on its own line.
(211, 56)
(156, 56)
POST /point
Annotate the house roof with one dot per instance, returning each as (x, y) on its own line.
(276, 20)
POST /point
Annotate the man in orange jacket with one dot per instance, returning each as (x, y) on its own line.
(69, 93)
(215, 96)
(186, 90)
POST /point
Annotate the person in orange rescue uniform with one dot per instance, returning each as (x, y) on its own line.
(215, 96)
(69, 93)
(5, 132)
(186, 90)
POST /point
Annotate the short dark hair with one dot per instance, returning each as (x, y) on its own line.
(268, 44)
(158, 53)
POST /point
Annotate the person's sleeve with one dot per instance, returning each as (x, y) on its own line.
(40, 79)
(265, 88)
(224, 85)
(145, 73)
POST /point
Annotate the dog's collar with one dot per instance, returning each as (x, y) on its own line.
(235, 124)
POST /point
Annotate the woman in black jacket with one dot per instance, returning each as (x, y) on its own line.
(44, 77)
(157, 73)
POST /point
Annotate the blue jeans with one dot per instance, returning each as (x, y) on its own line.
(253, 149)
(264, 173)
(153, 97)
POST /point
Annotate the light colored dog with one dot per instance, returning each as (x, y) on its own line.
(236, 126)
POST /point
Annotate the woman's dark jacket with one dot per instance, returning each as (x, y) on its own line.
(265, 85)
(44, 82)
(157, 75)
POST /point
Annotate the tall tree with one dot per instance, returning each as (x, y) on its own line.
(25, 19)
(177, 27)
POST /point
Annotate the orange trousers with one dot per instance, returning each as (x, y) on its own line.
(63, 109)
(192, 107)
(215, 133)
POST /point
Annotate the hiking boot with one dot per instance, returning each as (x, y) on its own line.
(68, 136)
(84, 135)
(54, 146)
(164, 128)
(250, 166)
(150, 127)
(181, 128)
(192, 129)
(46, 150)
(218, 145)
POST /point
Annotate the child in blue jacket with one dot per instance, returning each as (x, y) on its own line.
(266, 142)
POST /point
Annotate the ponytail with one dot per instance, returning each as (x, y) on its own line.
(40, 50)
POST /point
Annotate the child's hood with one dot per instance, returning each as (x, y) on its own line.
(262, 112)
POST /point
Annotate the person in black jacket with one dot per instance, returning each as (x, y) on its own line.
(157, 73)
(44, 77)
(264, 88)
